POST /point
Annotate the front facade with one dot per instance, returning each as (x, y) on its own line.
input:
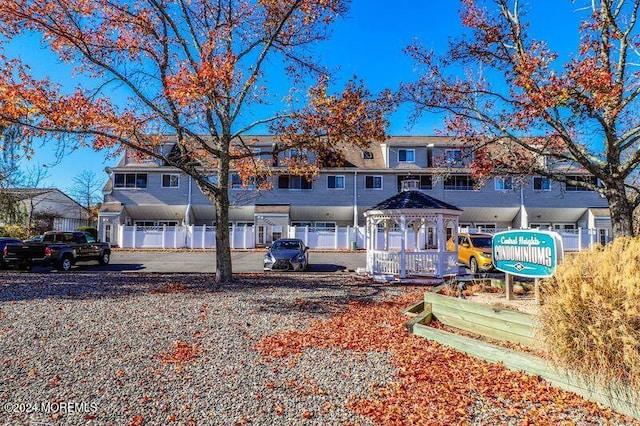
(150, 194)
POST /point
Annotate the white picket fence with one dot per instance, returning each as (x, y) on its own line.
(339, 238)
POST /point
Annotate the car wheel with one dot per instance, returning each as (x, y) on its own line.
(104, 259)
(65, 264)
(473, 264)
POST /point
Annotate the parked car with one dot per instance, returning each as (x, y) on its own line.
(474, 251)
(58, 249)
(3, 242)
(286, 254)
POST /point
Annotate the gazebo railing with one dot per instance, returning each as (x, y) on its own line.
(416, 263)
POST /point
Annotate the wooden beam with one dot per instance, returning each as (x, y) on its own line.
(535, 366)
(480, 308)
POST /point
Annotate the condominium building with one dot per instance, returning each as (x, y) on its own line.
(152, 194)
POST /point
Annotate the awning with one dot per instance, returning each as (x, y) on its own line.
(554, 214)
(156, 212)
(489, 214)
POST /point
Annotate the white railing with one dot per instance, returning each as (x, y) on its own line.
(426, 263)
(339, 238)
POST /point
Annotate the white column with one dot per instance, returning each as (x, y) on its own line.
(403, 244)
(579, 239)
(175, 236)
(233, 236)
(164, 237)
(335, 238)
(121, 235)
(204, 235)
(244, 237)
(134, 235)
(440, 232)
(386, 235)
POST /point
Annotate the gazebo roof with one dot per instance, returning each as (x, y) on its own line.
(413, 200)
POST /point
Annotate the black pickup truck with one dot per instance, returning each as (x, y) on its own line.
(58, 249)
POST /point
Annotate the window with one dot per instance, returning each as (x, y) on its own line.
(302, 224)
(407, 155)
(503, 183)
(325, 226)
(373, 182)
(167, 223)
(484, 227)
(564, 226)
(145, 224)
(335, 182)
(453, 157)
(236, 181)
(253, 182)
(426, 181)
(367, 155)
(541, 183)
(293, 153)
(243, 224)
(539, 226)
(294, 182)
(459, 183)
(575, 187)
(130, 180)
(170, 181)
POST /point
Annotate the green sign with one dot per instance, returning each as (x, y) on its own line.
(525, 253)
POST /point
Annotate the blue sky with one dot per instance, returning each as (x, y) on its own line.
(368, 43)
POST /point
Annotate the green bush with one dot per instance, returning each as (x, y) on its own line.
(16, 231)
(591, 315)
(89, 230)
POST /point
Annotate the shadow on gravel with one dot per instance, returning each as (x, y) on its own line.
(309, 293)
(325, 267)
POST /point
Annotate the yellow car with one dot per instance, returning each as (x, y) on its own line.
(474, 250)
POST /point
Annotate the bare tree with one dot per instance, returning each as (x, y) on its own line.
(87, 190)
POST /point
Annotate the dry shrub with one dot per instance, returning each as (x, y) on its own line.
(591, 316)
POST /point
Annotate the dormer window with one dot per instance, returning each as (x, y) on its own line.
(453, 157)
(407, 155)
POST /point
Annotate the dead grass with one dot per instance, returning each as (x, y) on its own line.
(590, 319)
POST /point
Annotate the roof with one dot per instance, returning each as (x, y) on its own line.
(413, 200)
(24, 193)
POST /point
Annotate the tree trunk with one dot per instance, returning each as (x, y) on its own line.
(223, 249)
(224, 270)
(621, 211)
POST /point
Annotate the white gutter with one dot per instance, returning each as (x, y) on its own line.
(355, 198)
(187, 213)
(524, 217)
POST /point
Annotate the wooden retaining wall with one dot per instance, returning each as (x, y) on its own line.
(507, 325)
(490, 321)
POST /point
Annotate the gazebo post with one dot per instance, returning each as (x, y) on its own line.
(403, 244)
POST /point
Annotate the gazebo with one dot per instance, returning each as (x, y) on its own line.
(422, 225)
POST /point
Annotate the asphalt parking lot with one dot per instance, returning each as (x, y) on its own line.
(205, 261)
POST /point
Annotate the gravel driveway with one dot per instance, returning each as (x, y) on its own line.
(101, 348)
